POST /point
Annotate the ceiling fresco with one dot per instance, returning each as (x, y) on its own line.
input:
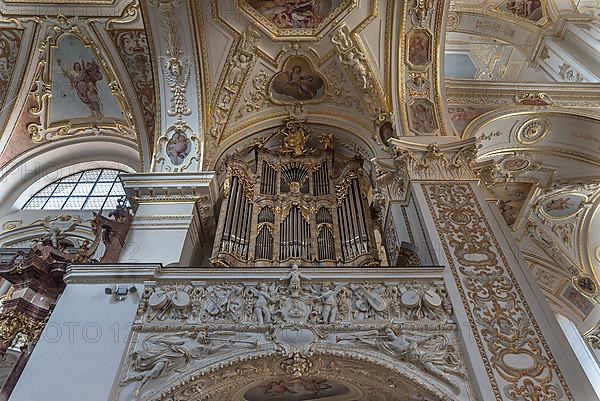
(292, 18)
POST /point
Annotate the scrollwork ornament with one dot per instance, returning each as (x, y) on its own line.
(175, 66)
(420, 11)
(129, 14)
(498, 313)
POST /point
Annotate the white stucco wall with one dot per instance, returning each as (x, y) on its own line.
(81, 348)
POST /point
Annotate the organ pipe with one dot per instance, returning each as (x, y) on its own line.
(275, 205)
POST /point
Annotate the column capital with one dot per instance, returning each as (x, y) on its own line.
(435, 159)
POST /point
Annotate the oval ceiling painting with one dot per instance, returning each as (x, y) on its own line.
(562, 206)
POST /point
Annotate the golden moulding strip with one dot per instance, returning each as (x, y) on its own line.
(464, 232)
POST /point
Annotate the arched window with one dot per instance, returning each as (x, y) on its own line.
(97, 189)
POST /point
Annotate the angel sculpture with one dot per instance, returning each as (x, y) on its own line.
(294, 276)
(431, 353)
(57, 228)
(164, 353)
(262, 313)
(357, 63)
(329, 296)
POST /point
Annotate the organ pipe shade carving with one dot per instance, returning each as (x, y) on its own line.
(279, 209)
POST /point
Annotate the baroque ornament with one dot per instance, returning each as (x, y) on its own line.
(354, 59)
(586, 285)
(593, 337)
(178, 148)
(257, 98)
(132, 45)
(175, 65)
(435, 163)
(533, 131)
(205, 326)
(295, 135)
(505, 325)
(14, 322)
(87, 78)
(231, 84)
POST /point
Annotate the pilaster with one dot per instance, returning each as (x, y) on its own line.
(508, 330)
(173, 218)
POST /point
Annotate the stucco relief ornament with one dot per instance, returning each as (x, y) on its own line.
(420, 11)
(593, 337)
(296, 365)
(586, 284)
(295, 307)
(169, 302)
(342, 39)
(354, 59)
(533, 131)
(431, 353)
(57, 228)
(569, 74)
(238, 67)
(162, 354)
(175, 66)
(295, 136)
(176, 70)
(505, 325)
(435, 162)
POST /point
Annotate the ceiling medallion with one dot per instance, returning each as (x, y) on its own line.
(290, 19)
(533, 131)
(562, 206)
(586, 285)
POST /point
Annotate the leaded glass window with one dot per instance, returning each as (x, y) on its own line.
(97, 189)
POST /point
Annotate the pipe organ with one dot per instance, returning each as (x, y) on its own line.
(294, 205)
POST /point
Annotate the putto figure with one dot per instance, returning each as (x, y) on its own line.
(294, 276)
